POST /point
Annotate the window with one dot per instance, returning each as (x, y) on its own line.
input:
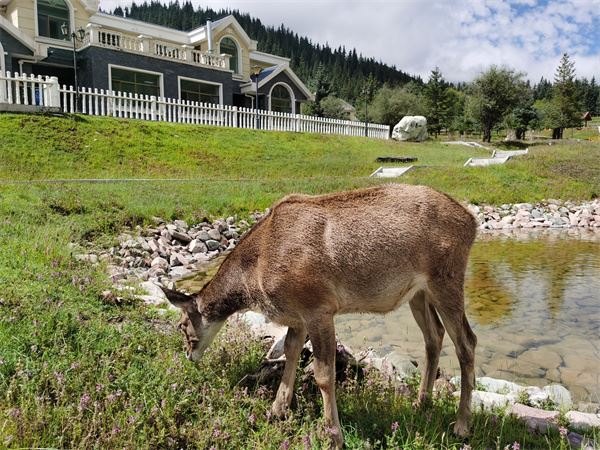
(229, 47)
(281, 100)
(135, 82)
(196, 91)
(51, 14)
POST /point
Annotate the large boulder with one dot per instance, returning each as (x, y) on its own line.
(411, 128)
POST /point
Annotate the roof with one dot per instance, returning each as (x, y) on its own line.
(271, 72)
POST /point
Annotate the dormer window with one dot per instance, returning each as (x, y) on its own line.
(51, 15)
(229, 47)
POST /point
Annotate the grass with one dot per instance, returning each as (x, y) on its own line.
(81, 370)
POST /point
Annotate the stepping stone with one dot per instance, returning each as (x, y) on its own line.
(390, 172)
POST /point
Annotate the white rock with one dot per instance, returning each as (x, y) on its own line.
(583, 421)
(153, 290)
(490, 400)
(410, 128)
(559, 395)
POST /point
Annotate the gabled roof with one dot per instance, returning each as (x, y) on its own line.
(269, 73)
(229, 20)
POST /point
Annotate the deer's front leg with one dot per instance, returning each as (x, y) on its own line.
(322, 336)
(294, 341)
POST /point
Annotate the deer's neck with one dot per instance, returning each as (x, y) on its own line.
(226, 293)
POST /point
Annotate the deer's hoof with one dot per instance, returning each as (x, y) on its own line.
(461, 429)
(279, 410)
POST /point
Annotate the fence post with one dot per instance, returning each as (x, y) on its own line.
(3, 88)
(152, 107)
(54, 93)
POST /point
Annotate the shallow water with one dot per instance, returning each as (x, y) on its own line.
(534, 303)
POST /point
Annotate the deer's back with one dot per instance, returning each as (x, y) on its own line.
(360, 250)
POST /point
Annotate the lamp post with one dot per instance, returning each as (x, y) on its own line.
(366, 91)
(75, 37)
(256, 70)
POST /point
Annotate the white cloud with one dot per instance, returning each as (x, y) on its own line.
(462, 37)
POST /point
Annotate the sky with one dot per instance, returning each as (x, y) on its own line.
(461, 37)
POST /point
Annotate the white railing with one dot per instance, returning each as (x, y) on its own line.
(29, 90)
(100, 37)
(34, 91)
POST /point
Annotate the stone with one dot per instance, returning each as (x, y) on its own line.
(90, 258)
(181, 237)
(537, 419)
(211, 244)
(179, 272)
(177, 259)
(181, 224)
(203, 235)
(490, 400)
(583, 421)
(197, 246)
(160, 262)
(214, 234)
(559, 395)
(404, 366)
(498, 386)
(277, 349)
(410, 128)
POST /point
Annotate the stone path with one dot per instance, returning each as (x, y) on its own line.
(498, 157)
(390, 172)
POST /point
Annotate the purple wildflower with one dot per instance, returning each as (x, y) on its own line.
(285, 445)
(306, 442)
(563, 432)
(84, 401)
(395, 426)
(516, 446)
(252, 419)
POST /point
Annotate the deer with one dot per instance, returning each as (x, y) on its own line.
(361, 251)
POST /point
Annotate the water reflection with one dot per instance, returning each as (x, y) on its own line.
(534, 302)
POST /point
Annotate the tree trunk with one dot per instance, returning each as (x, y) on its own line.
(556, 133)
(487, 134)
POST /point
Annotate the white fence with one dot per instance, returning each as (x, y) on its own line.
(35, 91)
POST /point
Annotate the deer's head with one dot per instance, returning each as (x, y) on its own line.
(198, 331)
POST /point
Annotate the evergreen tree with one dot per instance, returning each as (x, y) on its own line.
(437, 102)
(565, 98)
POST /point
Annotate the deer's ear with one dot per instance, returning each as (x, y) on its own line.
(179, 299)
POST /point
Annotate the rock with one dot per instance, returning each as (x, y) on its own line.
(583, 421)
(179, 272)
(277, 349)
(490, 400)
(535, 418)
(197, 246)
(580, 442)
(493, 385)
(559, 395)
(90, 258)
(203, 235)
(211, 244)
(160, 262)
(403, 366)
(153, 290)
(214, 234)
(181, 224)
(410, 128)
(181, 237)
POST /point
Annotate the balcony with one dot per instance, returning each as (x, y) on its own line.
(144, 45)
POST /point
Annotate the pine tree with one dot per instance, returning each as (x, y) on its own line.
(564, 97)
(437, 102)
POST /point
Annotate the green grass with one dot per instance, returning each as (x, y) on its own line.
(78, 370)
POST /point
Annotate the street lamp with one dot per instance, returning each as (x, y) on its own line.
(256, 70)
(75, 36)
(366, 91)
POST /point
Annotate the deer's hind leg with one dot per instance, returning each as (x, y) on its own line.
(433, 333)
(449, 303)
(294, 341)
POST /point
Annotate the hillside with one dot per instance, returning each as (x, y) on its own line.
(346, 69)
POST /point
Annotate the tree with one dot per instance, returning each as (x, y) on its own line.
(321, 86)
(521, 118)
(494, 94)
(565, 97)
(437, 102)
(334, 108)
(391, 104)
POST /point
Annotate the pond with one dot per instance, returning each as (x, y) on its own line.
(533, 300)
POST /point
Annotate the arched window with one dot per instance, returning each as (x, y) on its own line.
(229, 46)
(281, 100)
(51, 14)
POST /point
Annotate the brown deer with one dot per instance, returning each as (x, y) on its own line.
(368, 250)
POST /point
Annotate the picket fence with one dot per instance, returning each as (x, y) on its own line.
(45, 92)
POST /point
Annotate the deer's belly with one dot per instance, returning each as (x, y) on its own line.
(380, 299)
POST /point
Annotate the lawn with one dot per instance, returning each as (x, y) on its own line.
(79, 369)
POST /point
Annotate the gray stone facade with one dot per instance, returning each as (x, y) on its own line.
(94, 64)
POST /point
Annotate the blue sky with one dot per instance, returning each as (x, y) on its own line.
(462, 37)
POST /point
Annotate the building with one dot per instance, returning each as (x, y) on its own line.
(215, 63)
